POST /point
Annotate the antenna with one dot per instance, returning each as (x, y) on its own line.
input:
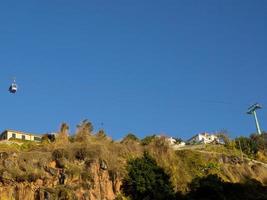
(252, 110)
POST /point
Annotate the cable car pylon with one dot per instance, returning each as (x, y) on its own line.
(252, 111)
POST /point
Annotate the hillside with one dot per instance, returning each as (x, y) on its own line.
(94, 166)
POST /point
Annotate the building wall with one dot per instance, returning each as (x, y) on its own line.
(203, 138)
(206, 138)
(172, 142)
(20, 135)
(196, 139)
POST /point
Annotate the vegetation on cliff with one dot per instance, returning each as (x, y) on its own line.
(146, 180)
(96, 167)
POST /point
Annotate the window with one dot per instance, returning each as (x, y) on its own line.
(23, 137)
(14, 135)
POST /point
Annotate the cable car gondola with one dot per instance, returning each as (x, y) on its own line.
(13, 88)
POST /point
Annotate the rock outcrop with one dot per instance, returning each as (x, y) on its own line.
(96, 183)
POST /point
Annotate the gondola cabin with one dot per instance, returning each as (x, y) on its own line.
(13, 88)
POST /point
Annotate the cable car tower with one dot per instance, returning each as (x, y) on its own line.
(252, 111)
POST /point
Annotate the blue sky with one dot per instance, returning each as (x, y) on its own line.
(173, 67)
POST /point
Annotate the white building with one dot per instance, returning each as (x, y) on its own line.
(12, 134)
(204, 138)
(174, 144)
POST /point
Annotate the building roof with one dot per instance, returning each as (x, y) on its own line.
(193, 137)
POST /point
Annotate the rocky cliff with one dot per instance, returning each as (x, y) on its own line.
(95, 170)
(95, 181)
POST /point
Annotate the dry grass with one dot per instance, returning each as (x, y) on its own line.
(182, 166)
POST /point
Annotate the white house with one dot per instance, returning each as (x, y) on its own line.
(174, 144)
(204, 138)
(12, 134)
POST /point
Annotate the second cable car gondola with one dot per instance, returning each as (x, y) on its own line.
(13, 87)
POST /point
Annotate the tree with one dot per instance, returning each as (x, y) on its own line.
(260, 141)
(48, 137)
(210, 187)
(146, 180)
(101, 134)
(247, 145)
(84, 130)
(223, 135)
(148, 139)
(129, 137)
(213, 187)
(63, 135)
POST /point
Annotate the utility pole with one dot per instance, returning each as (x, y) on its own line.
(252, 111)
(241, 153)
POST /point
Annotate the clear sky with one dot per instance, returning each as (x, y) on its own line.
(176, 67)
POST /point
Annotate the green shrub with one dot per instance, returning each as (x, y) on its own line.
(147, 140)
(72, 139)
(101, 134)
(61, 163)
(84, 130)
(146, 180)
(21, 177)
(86, 176)
(209, 187)
(81, 153)
(247, 145)
(130, 137)
(73, 170)
(65, 193)
(62, 137)
(48, 138)
(28, 145)
(213, 187)
(60, 153)
(121, 197)
(32, 177)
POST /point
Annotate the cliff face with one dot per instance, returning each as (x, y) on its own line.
(95, 172)
(100, 185)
